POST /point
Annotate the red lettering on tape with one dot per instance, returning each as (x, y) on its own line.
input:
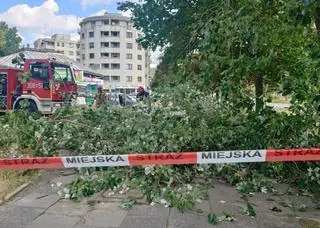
(163, 159)
(209, 157)
(31, 163)
(311, 154)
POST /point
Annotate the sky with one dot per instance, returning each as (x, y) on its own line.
(42, 18)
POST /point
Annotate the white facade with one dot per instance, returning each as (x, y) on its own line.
(60, 43)
(108, 45)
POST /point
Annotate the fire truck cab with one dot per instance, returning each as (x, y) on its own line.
(50, 86)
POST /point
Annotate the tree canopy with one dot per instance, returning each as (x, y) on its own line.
(9, 39)
(230, 47)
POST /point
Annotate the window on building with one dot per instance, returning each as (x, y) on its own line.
(139, 79)
(91, 34)
(129, 78)
(104, 55)
(115, 44)
(62, 44)
(105, 65)
(93, 23)
(94, 66)
(71, 53)
(139, 47)
(115, 33)
(115, 66)
(115, 78)
(83, 56)
(91, 45)
(129, 25)
(104, 33)
(83, 46)
(104, 44)
(129, 45)
(106, 22)
(139, 57)
(115, 55)
(139, 67)
(106, 78)
(115, 22)
(58, 44)
(129, 56)
(82, 35)
(91, 55)
(129, 35)
(71, 45)
(129, 66)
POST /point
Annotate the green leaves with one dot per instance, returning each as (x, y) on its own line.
(9, 39)
(127, 205)
(302, 208)
(212, 218)
(24, 77)
(249, 210)
(183, 119)
(90, 183)
(229, 45)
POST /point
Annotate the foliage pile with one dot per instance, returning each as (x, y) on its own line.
(184, 119)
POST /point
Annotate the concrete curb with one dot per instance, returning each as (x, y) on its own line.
(16, 191)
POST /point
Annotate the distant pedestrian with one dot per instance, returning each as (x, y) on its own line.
(141, 93)
(121, 100)
(100, 97)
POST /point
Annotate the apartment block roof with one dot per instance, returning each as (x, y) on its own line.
(116, 16)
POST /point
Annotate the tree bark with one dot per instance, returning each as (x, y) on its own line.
(317, 17)
(259, 92)
(218, 95)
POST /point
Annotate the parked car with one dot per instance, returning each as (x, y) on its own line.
(120, 99)
(133, 97)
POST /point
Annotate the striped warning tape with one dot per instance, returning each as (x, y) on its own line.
(208, 157)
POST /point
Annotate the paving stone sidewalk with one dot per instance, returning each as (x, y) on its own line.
(39, 206)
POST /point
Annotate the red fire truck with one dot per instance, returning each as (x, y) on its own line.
(50, 86)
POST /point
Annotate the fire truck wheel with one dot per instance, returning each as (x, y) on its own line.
(31, 108)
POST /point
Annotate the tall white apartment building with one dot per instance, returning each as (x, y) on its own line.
(58, 42)
(108, 45)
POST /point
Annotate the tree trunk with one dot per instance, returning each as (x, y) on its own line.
(259, 92)
(317, 17)
(218, 95)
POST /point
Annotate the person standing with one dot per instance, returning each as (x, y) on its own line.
(141, 93)
(100, 97)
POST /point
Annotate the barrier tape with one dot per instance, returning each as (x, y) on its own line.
(207, 157)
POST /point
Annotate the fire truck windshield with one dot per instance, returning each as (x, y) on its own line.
(61, 73)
